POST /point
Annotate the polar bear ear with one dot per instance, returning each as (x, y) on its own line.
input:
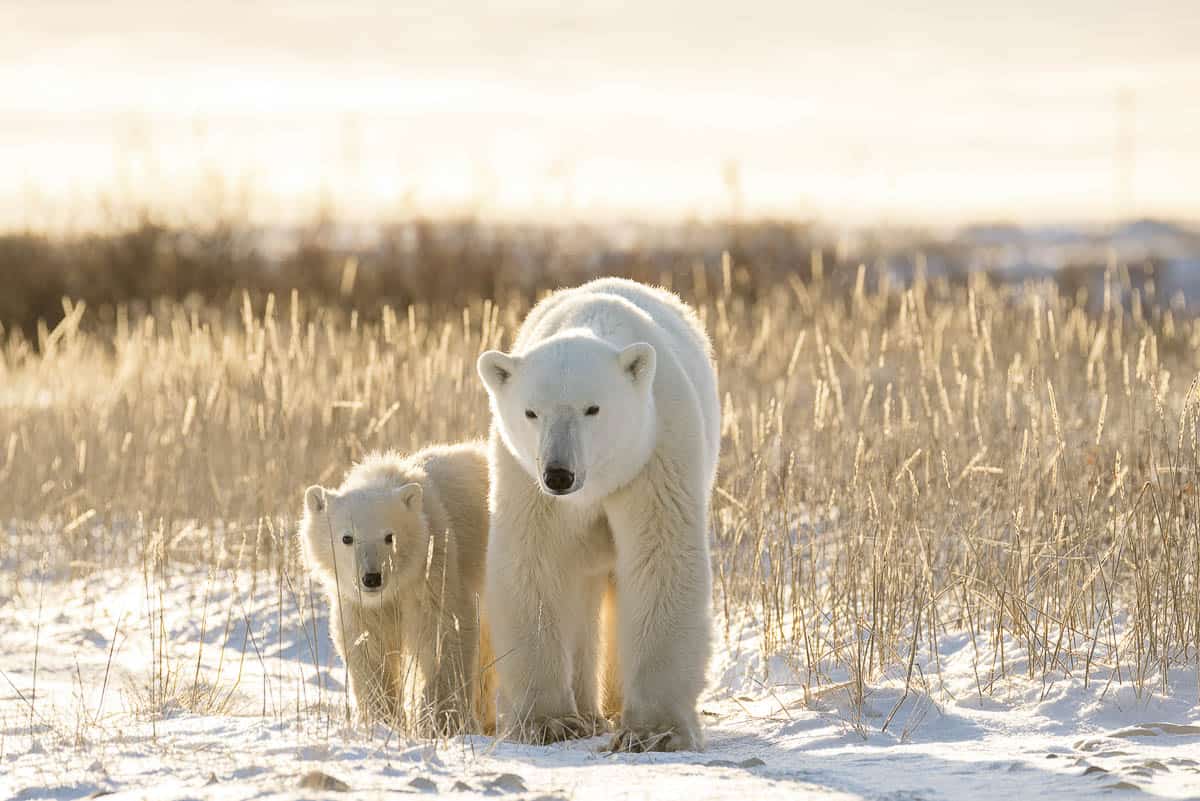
(315, 500)
(409, 495)
(638, 361)
(495, 368)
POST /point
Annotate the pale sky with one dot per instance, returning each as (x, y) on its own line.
(935, 113)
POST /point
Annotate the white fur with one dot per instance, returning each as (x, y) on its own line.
(421, 630)
(631, 534)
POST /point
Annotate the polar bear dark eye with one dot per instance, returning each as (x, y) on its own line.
(388, 538)
(347, 539)
(530, 414)
(592, 411)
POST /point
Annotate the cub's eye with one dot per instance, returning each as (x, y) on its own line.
(530, 414)
(347, 539)
(592, 411)
(388, 538)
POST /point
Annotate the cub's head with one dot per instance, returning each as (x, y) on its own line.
(367, 541)
(576, 412)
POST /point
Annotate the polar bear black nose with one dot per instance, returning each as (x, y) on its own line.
(558, 479)
(372, 581)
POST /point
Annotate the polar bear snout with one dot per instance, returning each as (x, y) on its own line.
(558, 480)
(373, 560)
(562, 459)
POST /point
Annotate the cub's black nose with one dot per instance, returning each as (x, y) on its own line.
(372, 581)
(558, 479)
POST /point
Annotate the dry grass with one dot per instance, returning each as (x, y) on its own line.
(895, 467)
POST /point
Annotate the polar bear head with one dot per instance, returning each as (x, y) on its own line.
(368, 541)
(576, 412)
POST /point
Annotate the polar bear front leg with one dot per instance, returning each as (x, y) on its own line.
(664, 591)
(588, 639)
(524, 594)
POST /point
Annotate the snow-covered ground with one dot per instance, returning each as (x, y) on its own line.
(210, 684)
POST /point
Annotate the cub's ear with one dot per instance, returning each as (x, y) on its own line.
(638, 361)
(496, 369)
(409, 495)
(315, 499)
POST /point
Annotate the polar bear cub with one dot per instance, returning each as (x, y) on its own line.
(399, 548)
(605, 437)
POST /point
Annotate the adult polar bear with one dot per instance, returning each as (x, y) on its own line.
(605, 435)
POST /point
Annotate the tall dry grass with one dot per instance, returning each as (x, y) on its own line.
(896, 466)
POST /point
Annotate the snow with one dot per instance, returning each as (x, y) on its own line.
(185, 682)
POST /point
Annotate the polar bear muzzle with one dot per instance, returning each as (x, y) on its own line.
(558, 479)
(562, 458)
(370, 562)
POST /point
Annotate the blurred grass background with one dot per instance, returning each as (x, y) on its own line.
(448, 262)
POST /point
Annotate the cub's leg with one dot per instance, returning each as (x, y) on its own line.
(369, 672)
(449, 677)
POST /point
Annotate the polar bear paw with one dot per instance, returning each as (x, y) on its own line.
(641, 740)
(447, 721)
(547, 730)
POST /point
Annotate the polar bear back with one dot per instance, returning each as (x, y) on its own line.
(624, 312)
(460, 474)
